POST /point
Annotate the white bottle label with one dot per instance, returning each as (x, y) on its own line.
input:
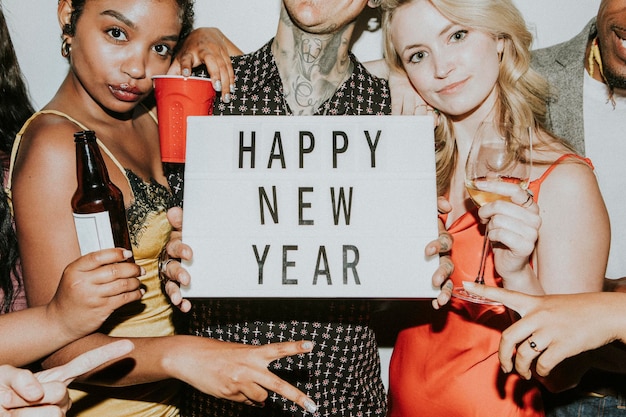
(94, 231)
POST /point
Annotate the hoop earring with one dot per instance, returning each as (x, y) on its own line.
(66, 48)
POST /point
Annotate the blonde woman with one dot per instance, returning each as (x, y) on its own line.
(469, 60)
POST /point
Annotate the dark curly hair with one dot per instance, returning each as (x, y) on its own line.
(15, 108)
(186, 17)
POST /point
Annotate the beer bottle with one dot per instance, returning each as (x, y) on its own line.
(98, 205)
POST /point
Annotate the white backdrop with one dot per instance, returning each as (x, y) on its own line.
(249, 23)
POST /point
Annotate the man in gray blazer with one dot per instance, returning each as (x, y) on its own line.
(564, 67)
(588, 74)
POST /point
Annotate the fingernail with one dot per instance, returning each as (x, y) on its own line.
(142, 271)
(32, 391)
(232, 88)
(127, 254)
(431, 250)
(478, 184)
(186, 72)
(307, 345)
(217, 85)
(469, 285)
(227, 98)
(310, 406)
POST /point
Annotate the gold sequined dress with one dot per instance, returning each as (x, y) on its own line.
(152, 316)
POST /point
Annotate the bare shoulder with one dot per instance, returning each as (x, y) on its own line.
(46, 154)
(566, 168)
(571, 176)
(573, 169)
(49, 136)
(572, 185)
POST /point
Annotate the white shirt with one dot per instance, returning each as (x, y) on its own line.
(605, 145)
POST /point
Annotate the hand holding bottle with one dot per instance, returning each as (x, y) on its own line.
(92, 287)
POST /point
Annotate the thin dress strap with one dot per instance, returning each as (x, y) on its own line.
(18, 139)
(150, 112)
(535, 185)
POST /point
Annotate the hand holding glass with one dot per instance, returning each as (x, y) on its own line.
(494, 156)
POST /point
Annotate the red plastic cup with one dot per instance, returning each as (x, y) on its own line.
(178, 97)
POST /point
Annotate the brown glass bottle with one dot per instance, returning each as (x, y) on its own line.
(98, 205)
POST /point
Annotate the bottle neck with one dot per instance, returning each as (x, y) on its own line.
(90, 168)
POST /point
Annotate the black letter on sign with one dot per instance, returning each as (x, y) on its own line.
(287, 264)
(337, 150)
(243, 149)
(308, 149)
(372, 147)
(261, 261)
(302, 205)
(350, 265)
(347, 208)
(274, 155)
(321, 257)
(273, 209)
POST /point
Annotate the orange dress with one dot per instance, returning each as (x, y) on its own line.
(449, 365)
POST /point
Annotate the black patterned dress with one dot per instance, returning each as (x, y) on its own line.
(342, 373)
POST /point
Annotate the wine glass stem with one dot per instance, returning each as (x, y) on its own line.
(480, 279)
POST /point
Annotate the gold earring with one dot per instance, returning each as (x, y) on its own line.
(66, 48)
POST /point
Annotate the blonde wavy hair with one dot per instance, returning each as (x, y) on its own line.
(522, 92)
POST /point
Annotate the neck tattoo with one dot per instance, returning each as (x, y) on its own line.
(318, 68)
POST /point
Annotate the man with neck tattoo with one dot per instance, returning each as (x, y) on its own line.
(588, 74)
(305, 65)
(306, 69)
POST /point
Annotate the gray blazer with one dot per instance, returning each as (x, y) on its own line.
(564, 67)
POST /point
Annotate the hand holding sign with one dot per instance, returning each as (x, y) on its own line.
(169, 267)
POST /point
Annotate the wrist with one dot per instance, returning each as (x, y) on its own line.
(524, 280)
(173, 351)
(56, 321)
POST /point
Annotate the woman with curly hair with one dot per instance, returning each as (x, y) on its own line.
(114, 47)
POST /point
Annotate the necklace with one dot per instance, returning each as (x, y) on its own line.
(596, 58)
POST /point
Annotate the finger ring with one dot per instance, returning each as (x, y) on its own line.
(163, 270)
(529, 201)
(163, 266)
(533, 346)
